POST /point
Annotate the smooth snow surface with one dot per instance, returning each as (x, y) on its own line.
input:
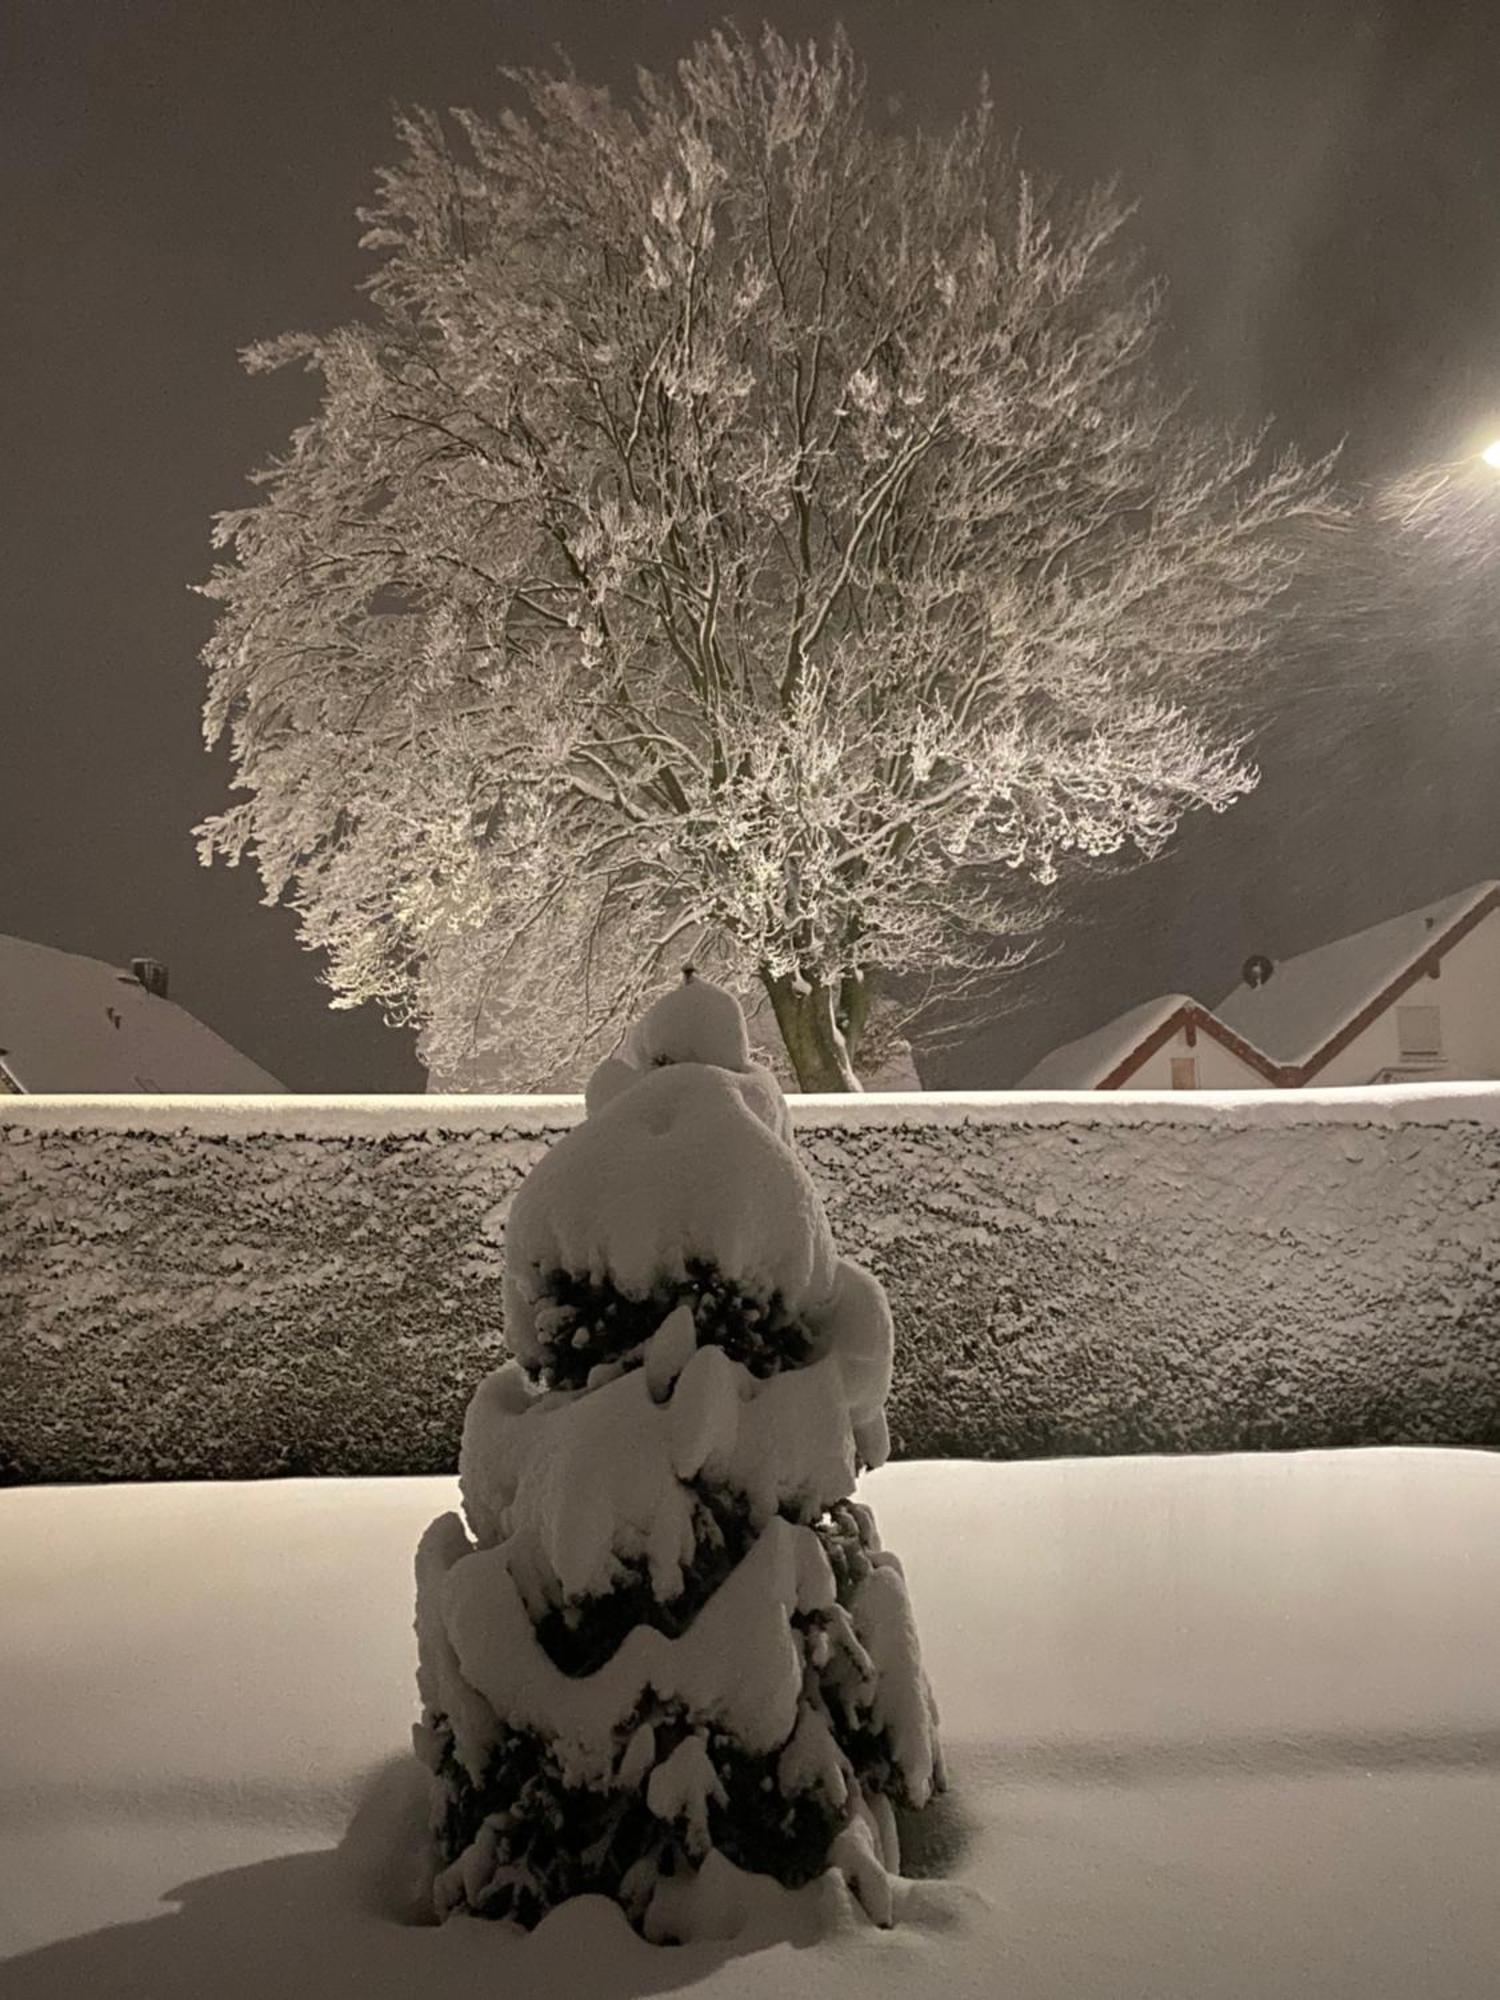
(69, 1023)
(1214, 1727)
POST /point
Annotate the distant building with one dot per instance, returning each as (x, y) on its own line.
(1415, 999)
(1408, 1001)
(76, 1025)
(1167, 1044)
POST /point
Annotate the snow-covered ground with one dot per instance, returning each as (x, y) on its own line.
(1215, 1727)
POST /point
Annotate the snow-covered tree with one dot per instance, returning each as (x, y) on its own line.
(739, 528)
(667, 1660)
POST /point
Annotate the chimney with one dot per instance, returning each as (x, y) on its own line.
(151, 974)
(1257, 969)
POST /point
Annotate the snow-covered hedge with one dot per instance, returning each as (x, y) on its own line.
(228, 1288)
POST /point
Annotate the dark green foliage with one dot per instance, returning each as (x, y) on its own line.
(555, 1839)
(579, 1637)
(592, 1322)
(762, 1829)
(845, 1532)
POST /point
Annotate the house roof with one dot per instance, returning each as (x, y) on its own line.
(1083, 1065)
(1310, 999)
(74, 1024)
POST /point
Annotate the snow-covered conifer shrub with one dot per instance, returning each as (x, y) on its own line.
(666, 1654)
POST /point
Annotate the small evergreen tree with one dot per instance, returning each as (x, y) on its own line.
(667, 1656)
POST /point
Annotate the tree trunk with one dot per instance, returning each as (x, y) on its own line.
(855, 995)
(818, 1042)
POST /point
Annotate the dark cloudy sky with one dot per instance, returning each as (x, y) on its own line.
(1319, 183)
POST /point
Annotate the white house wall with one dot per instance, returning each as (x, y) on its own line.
(1467, 996)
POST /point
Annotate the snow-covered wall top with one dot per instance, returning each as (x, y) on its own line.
(243, 1286)
(337, 1117)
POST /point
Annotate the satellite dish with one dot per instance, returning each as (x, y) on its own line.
(1257, 969)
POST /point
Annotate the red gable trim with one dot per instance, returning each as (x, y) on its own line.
(1439, 948)
(1196, 1019)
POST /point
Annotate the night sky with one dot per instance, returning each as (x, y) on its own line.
(1319, 184)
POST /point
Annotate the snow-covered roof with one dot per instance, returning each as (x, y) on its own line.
(1307, 999)
(75, 1024)
(1082, 1065)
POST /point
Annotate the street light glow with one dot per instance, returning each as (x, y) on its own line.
(1491, 454)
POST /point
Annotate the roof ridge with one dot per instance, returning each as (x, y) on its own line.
(1307, 1009)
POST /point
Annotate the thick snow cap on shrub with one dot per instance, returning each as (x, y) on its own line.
(696, 1022)
(785, 1444)
(683, 1161)
(739, 1664)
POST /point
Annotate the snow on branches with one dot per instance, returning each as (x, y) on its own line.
(735, 529)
